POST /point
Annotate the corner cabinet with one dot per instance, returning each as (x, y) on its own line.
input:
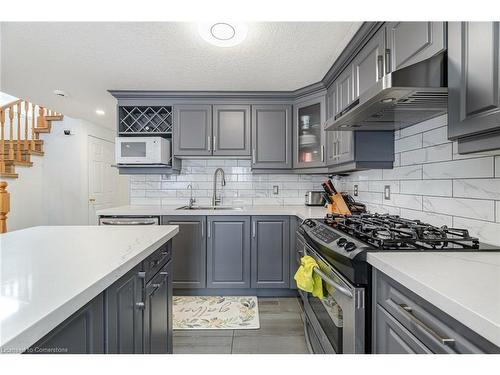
(270, 252)
(474, 85)
(192, 130)
(228, 252)
(308, 134)
(271, 136)
(412, 42)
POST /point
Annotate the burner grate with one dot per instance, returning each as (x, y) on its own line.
(391, 232)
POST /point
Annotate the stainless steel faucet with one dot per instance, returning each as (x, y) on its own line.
(216, 200)
(192, 200)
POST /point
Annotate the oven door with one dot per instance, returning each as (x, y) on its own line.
(338, 320)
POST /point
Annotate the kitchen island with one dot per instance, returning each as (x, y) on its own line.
(50, 273)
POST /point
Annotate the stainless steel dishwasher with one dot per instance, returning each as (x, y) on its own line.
(129, 220)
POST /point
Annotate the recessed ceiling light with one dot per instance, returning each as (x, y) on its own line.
(100, 112)
(223, 34)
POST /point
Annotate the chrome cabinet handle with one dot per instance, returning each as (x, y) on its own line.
(254, 157)
(140, 305)
(322, 153)
(214, 143)
(209, 143)
(408, 311)
(141, 275)
(253, 229)
(380, 66)
(332, 283)
(208, 230)
(388, 66)
(202, 230)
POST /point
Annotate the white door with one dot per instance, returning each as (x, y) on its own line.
(105, 184)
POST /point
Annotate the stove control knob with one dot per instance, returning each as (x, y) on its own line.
(341, 241)
(350, 246)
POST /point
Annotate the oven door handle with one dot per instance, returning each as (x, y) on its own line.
(332, 283)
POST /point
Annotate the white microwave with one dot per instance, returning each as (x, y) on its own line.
(142, 150)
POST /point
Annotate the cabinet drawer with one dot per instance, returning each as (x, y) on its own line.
(434, 328)
(157, 260)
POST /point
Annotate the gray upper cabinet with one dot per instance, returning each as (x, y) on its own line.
(192, 130)
(308, 135)
(124, 330)
(474, 85)
(270, 252)
(411, 42)
(231, 130)
(272, 136)
(368, 65)
(345, 88)
(228, 252)
(189, 248)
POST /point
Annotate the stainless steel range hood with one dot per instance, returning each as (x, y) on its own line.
(399, 99)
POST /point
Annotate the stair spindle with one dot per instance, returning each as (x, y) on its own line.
(26, 126)
(18, 153)
(33, 146)
(11, 133)
(4, 206)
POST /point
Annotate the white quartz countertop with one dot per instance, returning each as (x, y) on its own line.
(466, 286)
(48, 273)
(302, 212)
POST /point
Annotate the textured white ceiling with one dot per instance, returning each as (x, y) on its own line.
(87, 59)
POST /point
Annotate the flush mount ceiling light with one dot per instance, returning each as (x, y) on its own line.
(223, 34)
(99, 112)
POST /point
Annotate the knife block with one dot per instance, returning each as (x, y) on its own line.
(338, 205)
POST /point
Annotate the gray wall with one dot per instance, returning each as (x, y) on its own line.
(433, 183)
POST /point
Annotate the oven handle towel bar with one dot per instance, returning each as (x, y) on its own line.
(332, 283)
(308, 280)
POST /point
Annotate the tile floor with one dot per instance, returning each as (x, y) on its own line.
(281, 332)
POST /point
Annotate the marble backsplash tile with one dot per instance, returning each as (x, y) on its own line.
(242, 187)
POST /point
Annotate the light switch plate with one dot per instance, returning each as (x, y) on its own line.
(275, 189)
(355, 190)
(387, 192)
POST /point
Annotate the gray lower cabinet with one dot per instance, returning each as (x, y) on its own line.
(231, 130)
(270, 252)
(228, 252)
(82, 333)
(124, 309)
(271, 136)
(411, 42)
(473, 85)
(406, 323)
(192, 130)
(158, 312)
(189, 248)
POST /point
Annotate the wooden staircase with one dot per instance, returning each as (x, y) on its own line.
(25, 123)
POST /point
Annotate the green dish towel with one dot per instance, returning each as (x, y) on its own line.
(306, 279)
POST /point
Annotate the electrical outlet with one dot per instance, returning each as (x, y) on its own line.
(387, 192)
(275, 189)
(355, 190)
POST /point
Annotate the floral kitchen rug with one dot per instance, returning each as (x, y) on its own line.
(212, 312)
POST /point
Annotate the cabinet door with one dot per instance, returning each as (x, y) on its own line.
(345, 147)
(82, 333)
(392, 338)
(158, 313)
(189, 248)
(231, 130)
(308, 135)
(411, 42)
(271, 136)
(345, 88)
(124, 309)
(473, 78)
(192, 134)
(331, 137)
(369, 64)
(228, 252)
(270, 251)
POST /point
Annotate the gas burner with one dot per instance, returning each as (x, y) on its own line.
(391, 232)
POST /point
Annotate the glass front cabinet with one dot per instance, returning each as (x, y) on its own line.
(309, 136)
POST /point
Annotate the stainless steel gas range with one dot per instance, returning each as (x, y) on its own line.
(341, 321)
